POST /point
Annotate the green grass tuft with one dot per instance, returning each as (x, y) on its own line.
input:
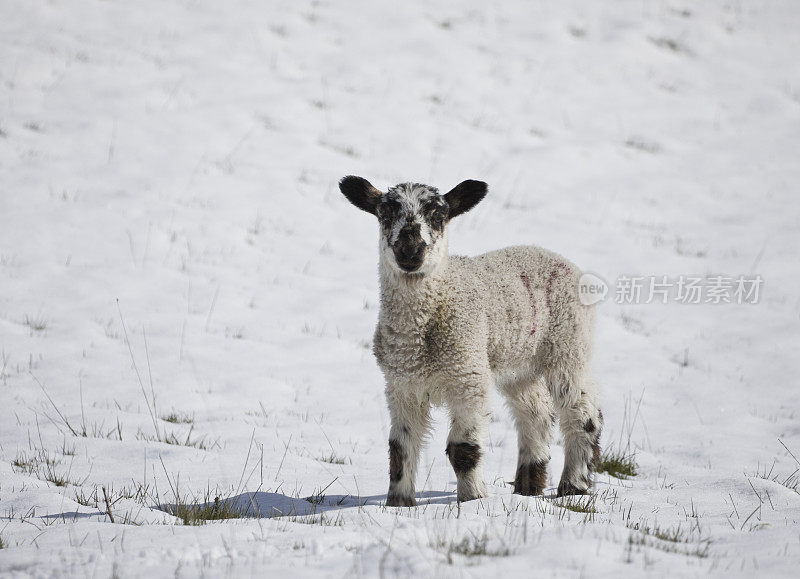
(618, 463)
(60, 480)
(334, 458)
(469, 546)
(42, 465)
(178, 418)
(137, 492)
(194, 512)
(669, 539)
(199, 514)
(23, 463)
(174, 439)
(37, 324)
(578, 503)
(322, 519)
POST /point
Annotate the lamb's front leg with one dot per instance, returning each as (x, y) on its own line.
(469, 415)
(410, 423)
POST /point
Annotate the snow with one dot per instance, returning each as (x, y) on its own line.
(169, 209)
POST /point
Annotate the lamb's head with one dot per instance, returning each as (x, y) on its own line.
(413, 219)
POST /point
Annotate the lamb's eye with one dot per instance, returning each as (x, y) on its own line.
(389, 207)
(435, 215)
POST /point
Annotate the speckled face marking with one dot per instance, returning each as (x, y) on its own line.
(412, 218)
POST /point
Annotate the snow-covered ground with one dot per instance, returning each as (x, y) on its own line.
(173, 245)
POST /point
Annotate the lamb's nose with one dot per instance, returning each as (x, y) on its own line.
(410, 229)
(410, 250)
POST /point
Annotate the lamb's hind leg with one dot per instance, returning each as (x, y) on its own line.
(469, 416)
(581, 422)
(410, 424)
(532, 408)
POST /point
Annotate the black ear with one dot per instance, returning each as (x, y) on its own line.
(360, 193)
(465, 196)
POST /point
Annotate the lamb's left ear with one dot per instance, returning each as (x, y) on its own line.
(360, 193)
(465, 196)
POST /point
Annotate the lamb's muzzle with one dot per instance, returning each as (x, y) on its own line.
(449, 327)
(409, 249)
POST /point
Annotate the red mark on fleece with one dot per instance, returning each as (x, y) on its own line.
(527, 283)
(560, 269)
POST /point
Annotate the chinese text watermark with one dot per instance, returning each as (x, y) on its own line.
(683, 289)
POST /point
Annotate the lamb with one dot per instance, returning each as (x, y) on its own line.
(449, 327)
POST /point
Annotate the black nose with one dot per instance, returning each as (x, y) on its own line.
(410, 230)
(412, 250)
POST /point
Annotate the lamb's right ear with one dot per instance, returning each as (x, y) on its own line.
(360, 193)
(465, 196)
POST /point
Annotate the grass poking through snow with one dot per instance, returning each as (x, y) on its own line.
(677, 539)
(36, 323)
(174, 439)
(618, 463)
(178, 418)
(578, 503)
(208, 509)
(43, 466)
(334, 458)
(469, 546)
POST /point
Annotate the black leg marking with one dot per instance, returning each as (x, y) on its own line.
(396, 457)
(531, 478)
(463, 456)
(396, 500)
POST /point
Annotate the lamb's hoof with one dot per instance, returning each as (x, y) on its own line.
(567, 488)
(531, 479)
(527, 490)
(400, 501)
(471, 494)
(465, 498)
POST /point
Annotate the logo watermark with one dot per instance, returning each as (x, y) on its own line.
(591, 289)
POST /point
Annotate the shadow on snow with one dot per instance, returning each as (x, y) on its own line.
(272, 505)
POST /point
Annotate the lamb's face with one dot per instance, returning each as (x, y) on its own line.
(413, 219)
